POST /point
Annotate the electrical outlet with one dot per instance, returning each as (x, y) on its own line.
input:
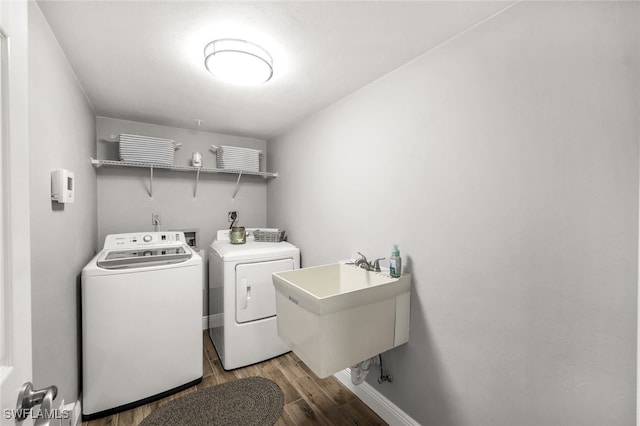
(233, 216)
(155, 219)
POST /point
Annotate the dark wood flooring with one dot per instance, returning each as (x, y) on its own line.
(308, 399)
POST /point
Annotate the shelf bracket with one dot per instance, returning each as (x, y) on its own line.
(235, 192)
(195, 190)
(151, 184)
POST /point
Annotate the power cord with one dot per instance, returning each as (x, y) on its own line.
(234, 217)
(385, 375)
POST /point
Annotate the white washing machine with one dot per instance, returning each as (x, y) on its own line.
(242, 305)
(141, 321)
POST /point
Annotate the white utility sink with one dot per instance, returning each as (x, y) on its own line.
(334, 316)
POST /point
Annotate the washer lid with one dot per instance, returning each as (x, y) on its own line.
(143, 256)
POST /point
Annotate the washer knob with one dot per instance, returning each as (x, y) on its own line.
(147, 238)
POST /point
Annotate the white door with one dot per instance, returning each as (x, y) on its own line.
(15, 275)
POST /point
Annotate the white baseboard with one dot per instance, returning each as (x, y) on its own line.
(387, 410)
(215, 321)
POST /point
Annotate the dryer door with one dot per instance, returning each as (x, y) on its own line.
(255, 294)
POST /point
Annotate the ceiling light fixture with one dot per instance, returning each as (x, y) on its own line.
(238, 61)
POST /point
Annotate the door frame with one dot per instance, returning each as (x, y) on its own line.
(15, 368)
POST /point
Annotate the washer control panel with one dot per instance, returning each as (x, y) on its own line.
(143, 239)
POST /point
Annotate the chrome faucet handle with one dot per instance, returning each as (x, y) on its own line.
(375, 266)
(362, 262)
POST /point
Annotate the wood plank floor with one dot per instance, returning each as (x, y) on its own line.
(308, 399)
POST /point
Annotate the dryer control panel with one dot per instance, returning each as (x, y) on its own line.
(144, 239)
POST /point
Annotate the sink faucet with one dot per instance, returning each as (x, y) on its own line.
(365, 264)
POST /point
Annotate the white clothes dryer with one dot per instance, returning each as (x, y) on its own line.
(242, 305)
(141, 321)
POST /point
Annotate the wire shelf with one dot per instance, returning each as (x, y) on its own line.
(176, 168)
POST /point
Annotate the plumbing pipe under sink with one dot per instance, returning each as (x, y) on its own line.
(360, 370)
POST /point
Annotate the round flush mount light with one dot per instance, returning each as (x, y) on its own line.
(238, 61)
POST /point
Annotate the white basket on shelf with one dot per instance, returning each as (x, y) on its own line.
(146, 149)
(237, 158)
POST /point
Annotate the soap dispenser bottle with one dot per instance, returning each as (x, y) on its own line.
(395, 263)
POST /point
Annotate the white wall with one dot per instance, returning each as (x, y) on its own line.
(505, 165)
(63, 239)
(124, 204)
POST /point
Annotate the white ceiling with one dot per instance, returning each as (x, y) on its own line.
(143, 60)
